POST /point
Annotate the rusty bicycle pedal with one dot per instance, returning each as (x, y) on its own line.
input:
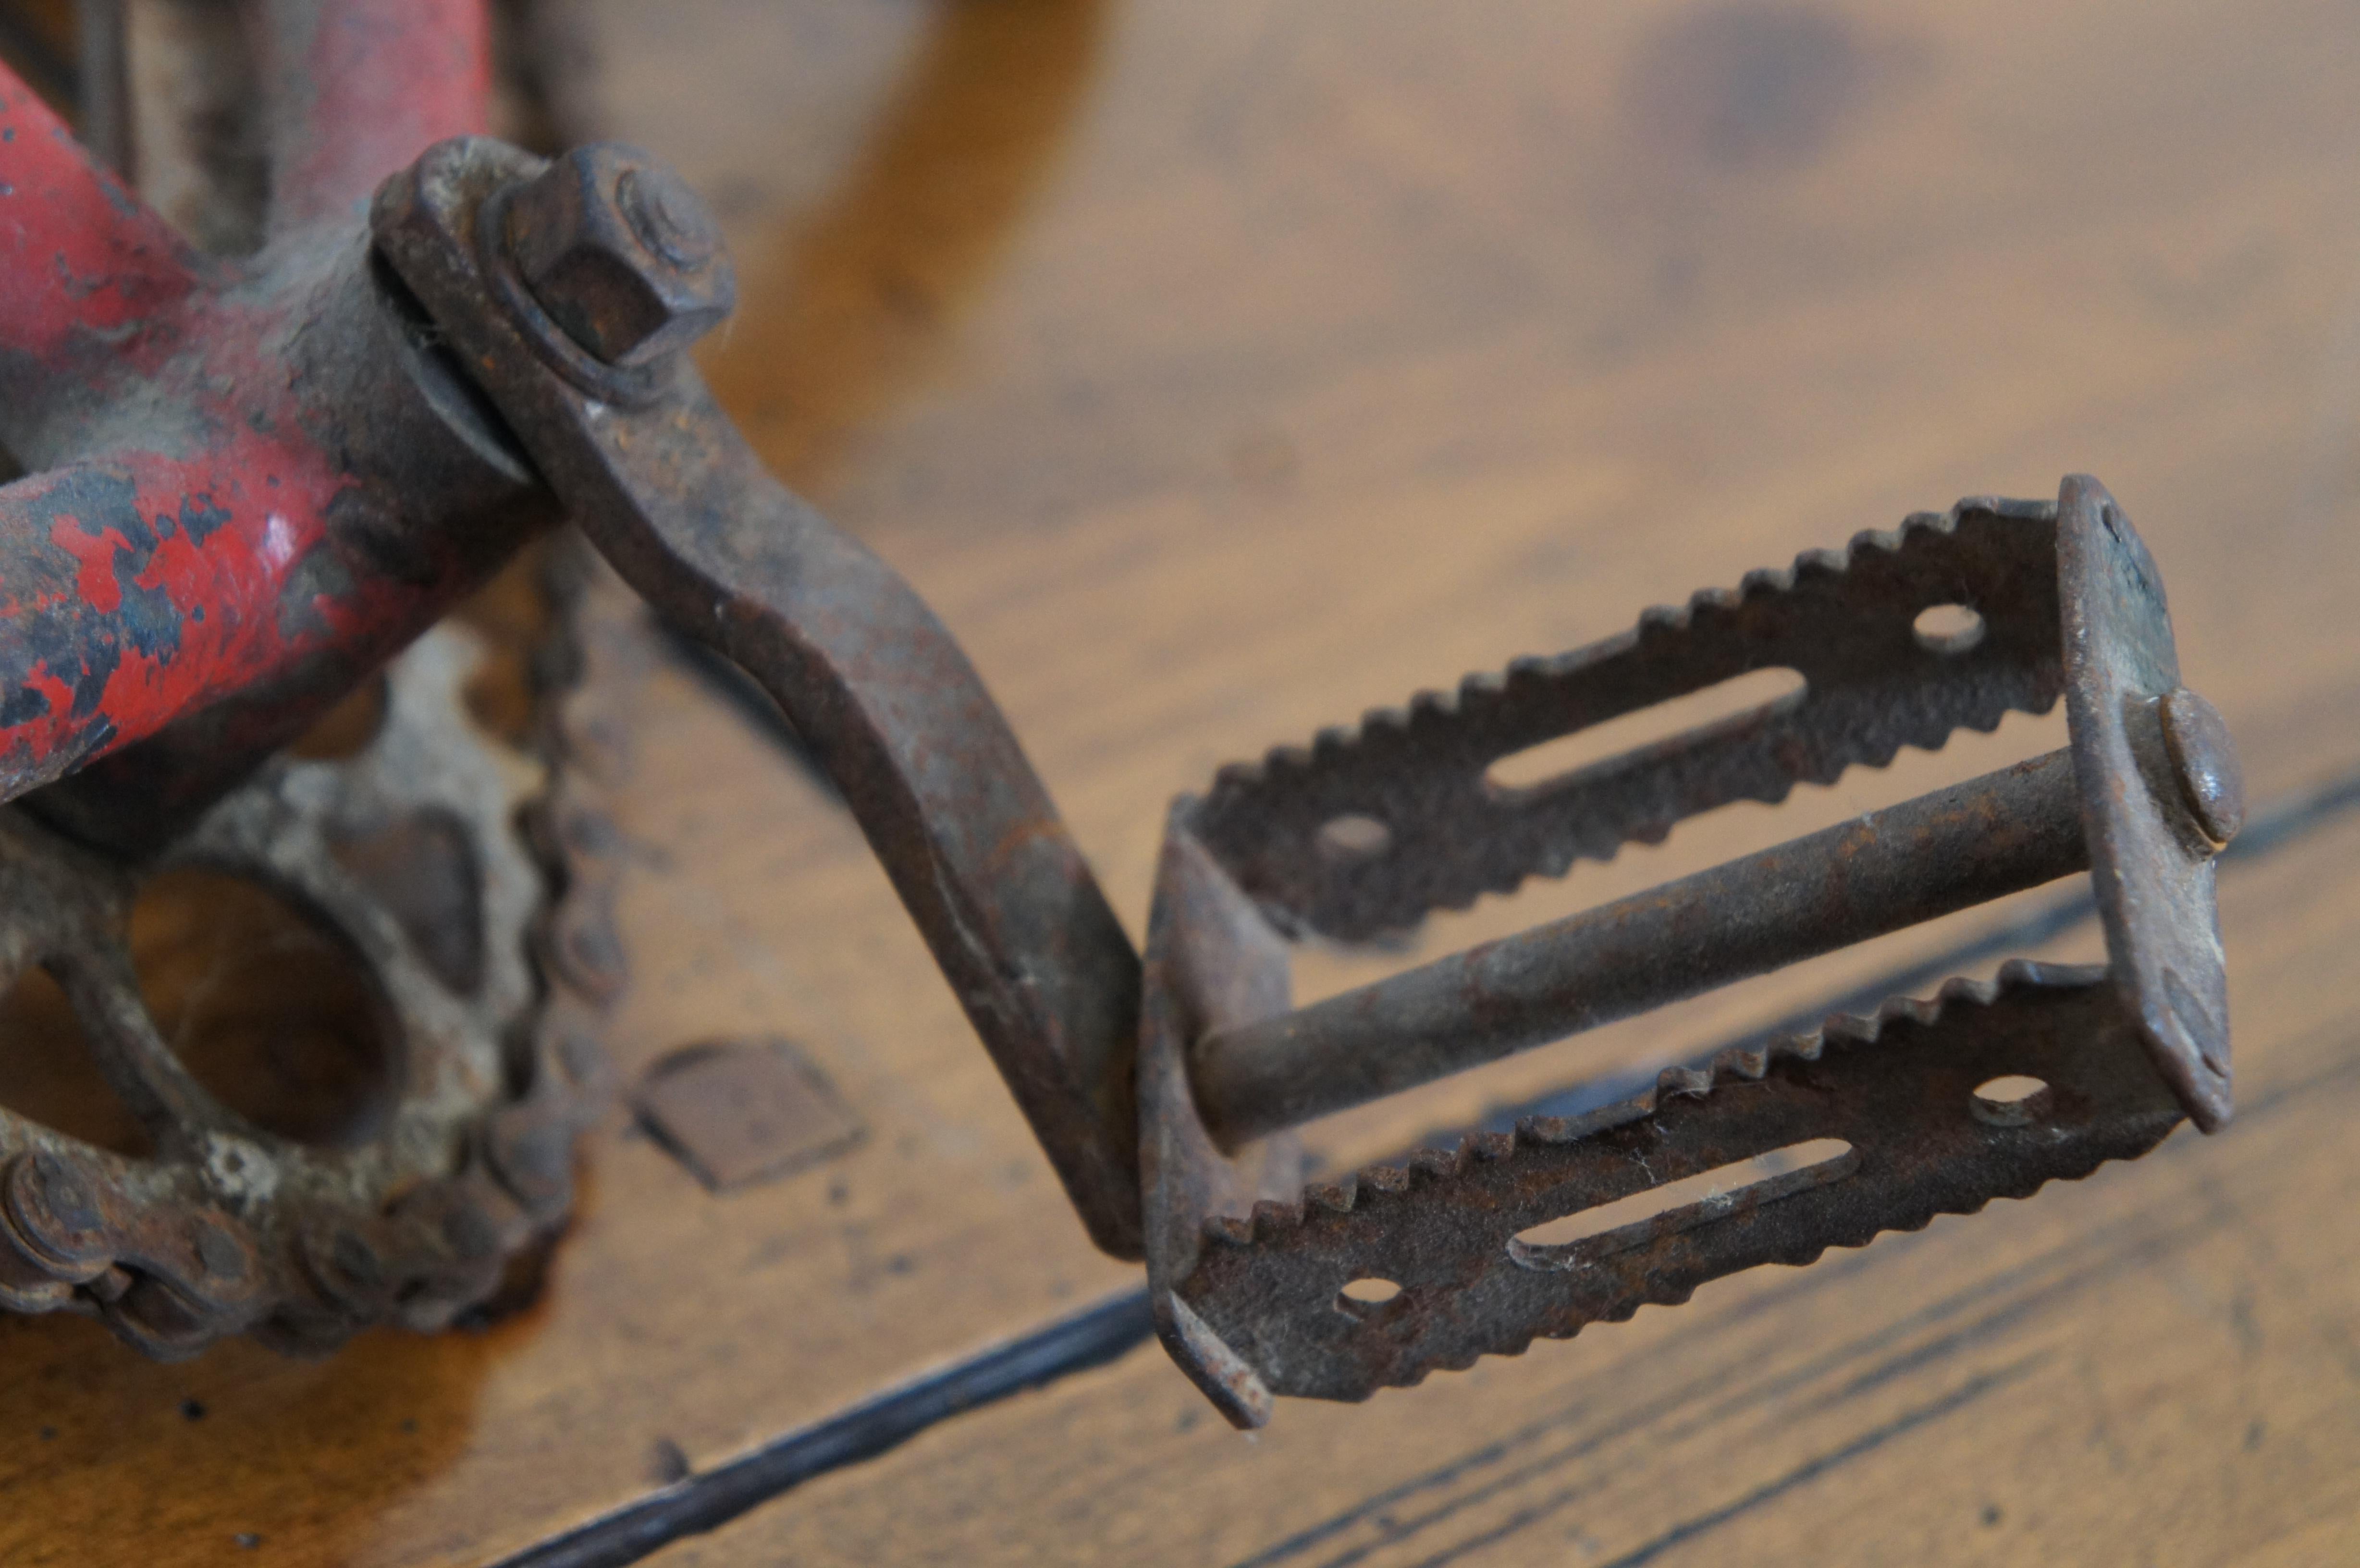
(1162, 1094)
(1369, 831)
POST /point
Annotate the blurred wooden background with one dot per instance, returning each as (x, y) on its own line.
(1223, 368)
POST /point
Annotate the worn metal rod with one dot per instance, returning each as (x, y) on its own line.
(1881, 872)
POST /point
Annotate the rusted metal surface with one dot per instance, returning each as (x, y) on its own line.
(2150, 864)
(1249, 1276)
(1265, 1284)
(230, 1226)
(663, 483)
(620, 252)
(254, 480)
(741, 1111)
(1368, 832)
(1843, 618)
(1881, 872)
(2204, 765)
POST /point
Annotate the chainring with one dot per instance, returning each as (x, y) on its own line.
(226, 1226)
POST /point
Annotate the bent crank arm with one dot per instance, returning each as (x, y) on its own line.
(660, 481)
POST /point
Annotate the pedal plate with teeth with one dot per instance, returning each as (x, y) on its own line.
(1263, 1287)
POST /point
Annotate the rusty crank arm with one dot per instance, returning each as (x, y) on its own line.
(500, 248)
(1166, 1100)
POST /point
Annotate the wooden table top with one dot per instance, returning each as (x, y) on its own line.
(1223, 368)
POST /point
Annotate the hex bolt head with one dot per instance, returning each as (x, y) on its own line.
(2205, 764)
(621, 253)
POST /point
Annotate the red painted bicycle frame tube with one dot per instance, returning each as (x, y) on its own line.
(360, 88)
(223, 511)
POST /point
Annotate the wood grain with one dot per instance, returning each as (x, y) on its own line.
(1222, 369)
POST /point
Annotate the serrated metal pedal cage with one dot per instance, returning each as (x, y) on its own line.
(1247, 1265)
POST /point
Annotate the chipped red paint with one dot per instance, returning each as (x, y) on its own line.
(87, 272)
(166, 582)
(96, 580)
(193, 529)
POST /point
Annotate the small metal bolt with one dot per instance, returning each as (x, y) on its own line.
(2204, 763)
(668, 218)
(621, 253)
(62, 1194)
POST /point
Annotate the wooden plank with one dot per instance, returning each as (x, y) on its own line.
(1220, 370)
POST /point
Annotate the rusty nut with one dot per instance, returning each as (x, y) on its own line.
(2204, 763)
(622, 255)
